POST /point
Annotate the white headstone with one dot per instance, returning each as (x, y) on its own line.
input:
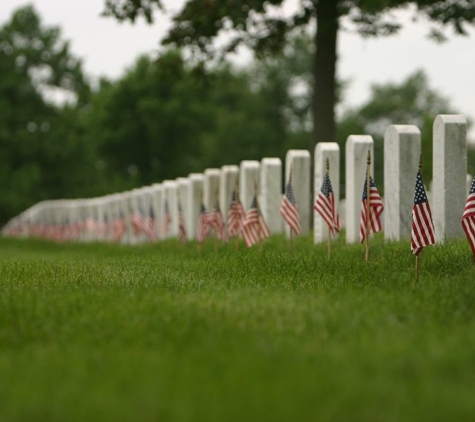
(211, 187)
(402, 148)
(356, 158)
(228, 182)
(135, 209)
(299, 161)
(102, 205)
(248, 180)
(125, 211)
(195, 199)
(170, 195)
(107, 215)
(147, 204)
(156, 204)
(324, 151)
(449, 175)
(271, 193)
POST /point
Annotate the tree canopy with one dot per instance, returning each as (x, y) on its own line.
(131, 132)
(255, 24)
(39, 153)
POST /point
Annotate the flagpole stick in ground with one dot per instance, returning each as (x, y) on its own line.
(368, 208)
(329, 231)
(200, 244)
(216, 228)
(291, 231)
(258, 216)
(238, 199)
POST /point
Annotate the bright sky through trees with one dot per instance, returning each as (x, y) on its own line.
(108, 47)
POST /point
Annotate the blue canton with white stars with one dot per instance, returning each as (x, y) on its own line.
(420, 195)
(472, 188)
(289, 193)
(326, 186)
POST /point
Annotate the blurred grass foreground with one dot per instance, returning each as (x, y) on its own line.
(163, 333)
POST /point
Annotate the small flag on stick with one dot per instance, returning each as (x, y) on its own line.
(371, 208)
(216, 222)
(325, 204)
(151, 226)
(374, 207)
(181, 224)
(203, 227)
(167, 219)
(236, 215)
(468, 218)
(254, 227)
(288, 208)
(422, 233)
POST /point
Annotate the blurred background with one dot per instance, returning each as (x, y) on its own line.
(93, 104)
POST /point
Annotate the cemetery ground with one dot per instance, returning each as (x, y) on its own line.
(161, 332)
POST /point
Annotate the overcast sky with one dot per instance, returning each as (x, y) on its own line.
(108, 47)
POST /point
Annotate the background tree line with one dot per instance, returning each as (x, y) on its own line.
(63, 137)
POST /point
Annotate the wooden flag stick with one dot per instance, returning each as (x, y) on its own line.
(261, 240)
(236, 198)
(200, 244)
(216, 198)
(368, 207)
(329, 230)
(290, 228)
(417, 256)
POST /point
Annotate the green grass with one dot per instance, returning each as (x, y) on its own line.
(163, 333)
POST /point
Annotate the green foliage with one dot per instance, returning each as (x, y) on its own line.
(251, 22)
(161, 332)
(40, 157)
(161, 121)
(200, 22)
(412, 101)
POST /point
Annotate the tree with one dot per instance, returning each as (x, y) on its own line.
(412, 101)
(159, 109)
(39, 157)
(251, 22)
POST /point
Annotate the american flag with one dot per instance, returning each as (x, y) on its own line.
(236, 215)
(138, 223)
(376, 209)
(216, 222)
(167, 219)
(254, 226)
(181, 224)
(150, 225)
(422, 226)
(468, 217)
(91, 225)
(118, 228)
(288, 209)
(325, 205)
(203, 226)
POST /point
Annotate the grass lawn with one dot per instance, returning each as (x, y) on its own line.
(163, 333)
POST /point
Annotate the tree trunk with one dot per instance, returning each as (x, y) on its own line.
(325, 73)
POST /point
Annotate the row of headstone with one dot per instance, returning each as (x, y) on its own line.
(140, 215)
